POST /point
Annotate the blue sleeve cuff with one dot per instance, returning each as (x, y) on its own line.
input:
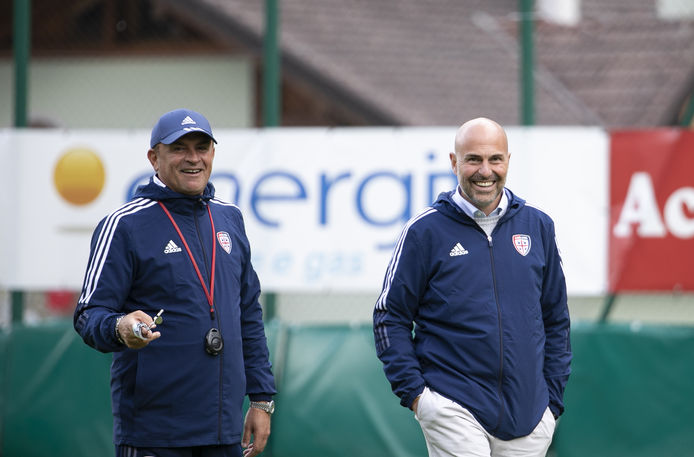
(260, 397)
(409, 397)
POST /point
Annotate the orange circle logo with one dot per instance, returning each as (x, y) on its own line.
(79, 176)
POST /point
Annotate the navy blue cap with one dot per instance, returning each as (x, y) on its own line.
(174, 124)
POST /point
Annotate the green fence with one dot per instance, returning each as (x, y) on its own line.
(55, 394)
(630, 395)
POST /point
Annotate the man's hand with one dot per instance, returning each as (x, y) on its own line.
(256, 425)
(125, 329)
(415, 403)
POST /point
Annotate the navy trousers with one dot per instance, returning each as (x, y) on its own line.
(232, 450)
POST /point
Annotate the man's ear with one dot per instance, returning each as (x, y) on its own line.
(153, 159)
(454, 161)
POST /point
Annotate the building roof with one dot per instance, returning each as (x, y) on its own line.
(410, 62)
(440, 62)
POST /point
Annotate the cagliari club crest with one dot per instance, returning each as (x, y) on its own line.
(521, 243)
(224, 241)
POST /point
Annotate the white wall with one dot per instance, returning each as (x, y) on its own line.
(132, 92)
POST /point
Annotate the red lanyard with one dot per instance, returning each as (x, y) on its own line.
(209, 294)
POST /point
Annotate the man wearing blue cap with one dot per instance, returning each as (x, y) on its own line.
(179, 391)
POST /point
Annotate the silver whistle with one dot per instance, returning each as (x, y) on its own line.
(158, 319)
(139, 326)
(137, 329)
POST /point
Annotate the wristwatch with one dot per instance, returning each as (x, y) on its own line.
(267, 406)
(120, 338)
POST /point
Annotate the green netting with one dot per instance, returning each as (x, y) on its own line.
(3, 390)
(630, 394)
(335, 400)
(56, 395)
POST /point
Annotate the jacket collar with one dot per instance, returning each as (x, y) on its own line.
(157, 190)
(445, 204)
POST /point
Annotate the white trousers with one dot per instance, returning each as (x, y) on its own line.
(451, 430)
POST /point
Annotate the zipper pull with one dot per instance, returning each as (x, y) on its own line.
(489, 240)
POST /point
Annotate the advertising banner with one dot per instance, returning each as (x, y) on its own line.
(652, 211)
(322, 207)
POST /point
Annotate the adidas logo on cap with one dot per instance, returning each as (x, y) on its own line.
(174, 124)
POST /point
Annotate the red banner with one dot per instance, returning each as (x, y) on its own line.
(651, 211)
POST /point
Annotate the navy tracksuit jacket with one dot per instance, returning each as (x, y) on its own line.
(172, 393)
(492, 322)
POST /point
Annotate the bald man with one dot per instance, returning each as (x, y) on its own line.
(478, 278)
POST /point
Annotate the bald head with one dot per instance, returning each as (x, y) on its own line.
(480, 131)
(480, 162)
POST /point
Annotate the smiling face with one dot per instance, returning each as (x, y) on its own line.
(184, 165)
(480, 162)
